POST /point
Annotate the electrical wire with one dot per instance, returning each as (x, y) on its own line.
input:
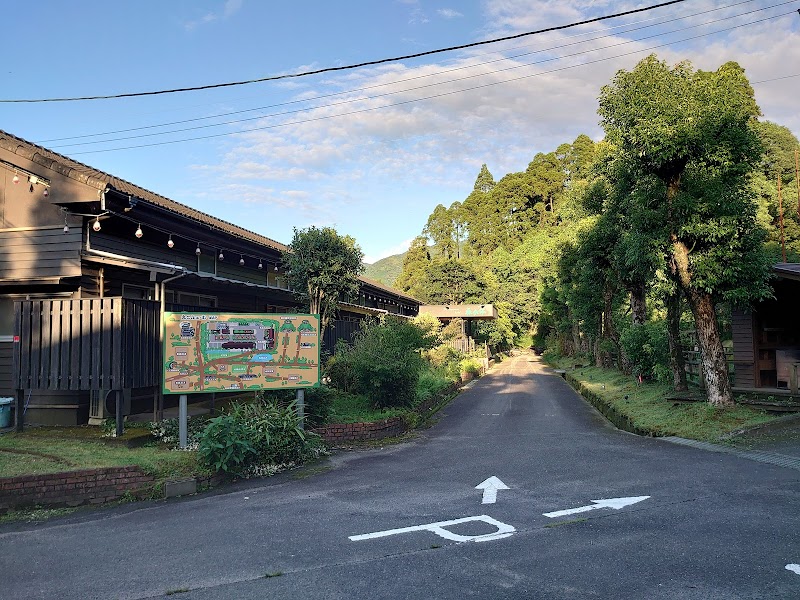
(431, 97)
(425, 86)
(408, 79)
(345, 67)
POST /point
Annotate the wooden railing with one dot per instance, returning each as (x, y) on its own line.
(694, 373)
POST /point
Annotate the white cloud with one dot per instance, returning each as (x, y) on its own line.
(449, 13)
(389, 160)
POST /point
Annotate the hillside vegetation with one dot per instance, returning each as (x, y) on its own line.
(611, 249)
(385, 270)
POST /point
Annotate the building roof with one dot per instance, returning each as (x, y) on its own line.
(102, 181)
(787, 270)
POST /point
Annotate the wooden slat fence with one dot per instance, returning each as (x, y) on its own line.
(694, 373)
(86, 344)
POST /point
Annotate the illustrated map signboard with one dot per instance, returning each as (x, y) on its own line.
(223, 352)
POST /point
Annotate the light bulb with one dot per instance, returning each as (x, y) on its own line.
(46, 192)
(16, 178)
(96, 225)
(260, 264)
(241, 261)
(197, 250)
(276, 268)
(221, 255)
(170, 243)
(139, 233)
(66, 228)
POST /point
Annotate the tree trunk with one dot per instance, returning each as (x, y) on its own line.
(677, 362)
(638, 304)
(714, 363)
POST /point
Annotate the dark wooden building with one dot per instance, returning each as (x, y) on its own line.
(766, 339)
(68, 231)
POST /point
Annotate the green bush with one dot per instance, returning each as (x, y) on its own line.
(431, 383)
(257, 435)
(318, 403)
(225, 446)
(383, 363)
(647, 349)
(471, 366)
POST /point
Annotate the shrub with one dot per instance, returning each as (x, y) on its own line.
(340, 368)
(471, 366)
(647, 350)
(383, 363)
(255, 435)
(224, 445)
(431, 383)
(167, 431)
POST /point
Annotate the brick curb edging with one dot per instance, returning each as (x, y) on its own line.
(73, 488)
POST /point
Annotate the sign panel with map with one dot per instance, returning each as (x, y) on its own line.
(221, 352)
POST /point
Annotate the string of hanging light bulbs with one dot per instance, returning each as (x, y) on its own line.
(139, 234)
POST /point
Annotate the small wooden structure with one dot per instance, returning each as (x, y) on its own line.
(107, 346)
(766, 339)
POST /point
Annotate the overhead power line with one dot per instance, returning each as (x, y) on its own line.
(345, 67)
(627, 28)
(431, 97)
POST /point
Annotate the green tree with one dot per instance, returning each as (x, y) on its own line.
(323, 268)
(694, 131)
(415, 264)
(451, 282)
(441, 231)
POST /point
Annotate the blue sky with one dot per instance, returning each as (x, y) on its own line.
(367, 151)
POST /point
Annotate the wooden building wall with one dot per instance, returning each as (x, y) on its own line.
(39, 253)
(743, 348)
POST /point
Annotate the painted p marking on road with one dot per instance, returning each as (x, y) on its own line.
(440, 529)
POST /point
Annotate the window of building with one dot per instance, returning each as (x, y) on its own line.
(207, 263)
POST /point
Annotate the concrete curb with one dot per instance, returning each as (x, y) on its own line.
(772, 458)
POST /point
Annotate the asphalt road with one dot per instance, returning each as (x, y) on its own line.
(408, 522)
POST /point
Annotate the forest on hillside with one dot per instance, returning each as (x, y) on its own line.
(612, 249)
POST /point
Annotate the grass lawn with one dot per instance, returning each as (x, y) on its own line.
(649, 407)
(40, 450)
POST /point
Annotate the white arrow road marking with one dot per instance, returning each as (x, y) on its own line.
(490, 487)
(615, 503)
(795, 568)
(503, 531)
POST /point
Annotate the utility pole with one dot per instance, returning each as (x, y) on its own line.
(780, 210)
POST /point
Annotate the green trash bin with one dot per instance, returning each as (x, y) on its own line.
(5, 412)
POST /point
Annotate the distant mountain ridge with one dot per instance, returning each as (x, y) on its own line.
(386, 270)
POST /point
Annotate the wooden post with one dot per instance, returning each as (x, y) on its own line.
(793, 378)
(119, 412)
(20, 409)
